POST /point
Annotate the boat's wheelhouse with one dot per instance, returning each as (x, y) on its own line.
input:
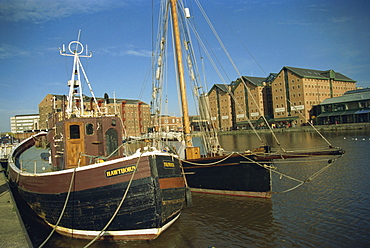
(78, 142)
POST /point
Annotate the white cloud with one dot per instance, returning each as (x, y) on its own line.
(131, 51)
(340, 19)
(319, 7)
(44, 10)
(139, 53)
(295, 22)
(8, 51)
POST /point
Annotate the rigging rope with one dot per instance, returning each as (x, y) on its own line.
(190, 67)
(187, 161)
(64, 208)
(274, 169)
(209, 135)
(307, 121)
(118, 207)
(236, 69)
(307, 180)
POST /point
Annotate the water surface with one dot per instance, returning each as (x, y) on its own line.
(330, 211)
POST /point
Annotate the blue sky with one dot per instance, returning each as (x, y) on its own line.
(313, 34)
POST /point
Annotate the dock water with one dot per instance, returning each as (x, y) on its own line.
(13, 234)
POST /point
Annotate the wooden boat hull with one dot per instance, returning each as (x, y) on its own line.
(229, 175)
(153, 202)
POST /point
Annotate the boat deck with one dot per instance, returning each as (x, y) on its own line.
(35, 160)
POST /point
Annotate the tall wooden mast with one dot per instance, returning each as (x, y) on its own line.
(180, 71)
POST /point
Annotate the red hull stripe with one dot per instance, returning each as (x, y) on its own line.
(174, 182)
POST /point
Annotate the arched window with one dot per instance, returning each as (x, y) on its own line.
(111, 142)
(89, 128)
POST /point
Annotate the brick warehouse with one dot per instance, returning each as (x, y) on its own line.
(135, 114)
(287, 96)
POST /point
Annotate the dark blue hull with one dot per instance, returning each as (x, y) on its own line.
(155, 197)
(92, 209)
(229, 175)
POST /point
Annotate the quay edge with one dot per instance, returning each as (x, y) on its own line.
(12, 230)
(333, 127)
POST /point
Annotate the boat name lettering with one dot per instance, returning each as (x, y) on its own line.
(120, 171)
(169, 164)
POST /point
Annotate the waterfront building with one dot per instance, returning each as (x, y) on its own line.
(251, 99)
(245, 100)
(49, 105)
(283, 99)
(135, 114)
(166, 123)
(296, 90)
(352, 107)
(24, 123)
(248, 98)
(220, 103)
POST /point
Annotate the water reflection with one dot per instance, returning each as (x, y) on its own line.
(287, 140)
(230, 223)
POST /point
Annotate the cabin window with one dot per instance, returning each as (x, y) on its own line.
(111, 142)
(89, 128)
(74, 131)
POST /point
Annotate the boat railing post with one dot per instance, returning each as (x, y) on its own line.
(34, 166)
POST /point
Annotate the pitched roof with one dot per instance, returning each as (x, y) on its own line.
(357, 91)
(317, 74)
(257, 81)
(349, 96)
(223, 87)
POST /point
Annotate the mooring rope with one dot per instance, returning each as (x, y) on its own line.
(320, 171)
(301, 182)
(307, 180)
(64, 208)
(119, 205)
(301, 161)
(188, 196)
(217, 162)
(257, 163)
(307, 121)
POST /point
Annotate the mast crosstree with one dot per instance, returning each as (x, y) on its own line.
(75, 106)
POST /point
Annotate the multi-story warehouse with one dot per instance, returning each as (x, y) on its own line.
(166, 123)
(24, 123)
(282, 98)
(135, 114)
(242, 102)
(221, 107)
(248, 98)
(296, 90)
(49, 105)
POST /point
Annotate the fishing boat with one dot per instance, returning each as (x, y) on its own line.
(78, 178)
(242, 173)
